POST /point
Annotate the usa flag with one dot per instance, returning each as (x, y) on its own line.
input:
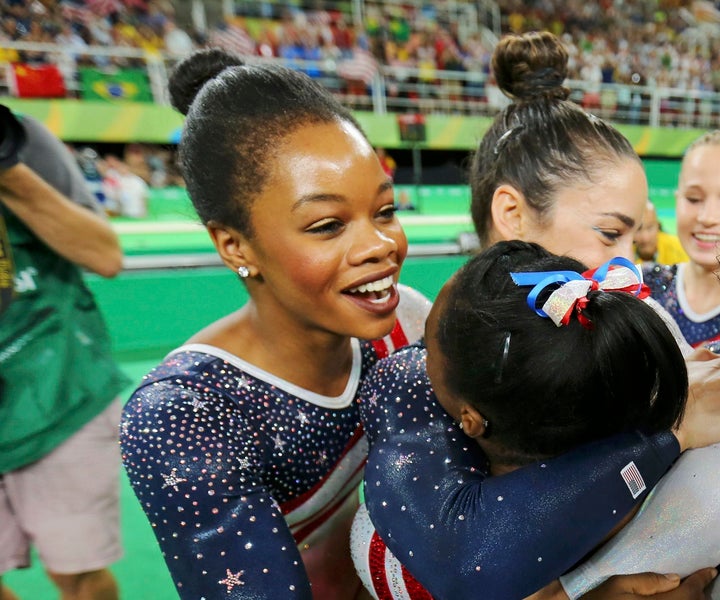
(633, 479)
(362, 66)
(104, 8)
(233, 39)
(78, 13)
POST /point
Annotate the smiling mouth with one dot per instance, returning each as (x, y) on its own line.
(376, 292)
(707, 238)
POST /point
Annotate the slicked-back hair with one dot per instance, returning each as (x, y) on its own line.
(237, 118)
(542, 141)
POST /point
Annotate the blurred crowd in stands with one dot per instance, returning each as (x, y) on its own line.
(417, 45)
(122, 180)
(673, 43)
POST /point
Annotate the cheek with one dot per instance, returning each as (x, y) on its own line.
(685, 215)
(307, 270)
(593, 253)
(402, 243)
(566, 241)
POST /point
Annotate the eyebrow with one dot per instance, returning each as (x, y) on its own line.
(309, 198)
(621, 217)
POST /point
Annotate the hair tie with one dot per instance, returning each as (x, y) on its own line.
(546, 78)
(504, 137)
(616, 275)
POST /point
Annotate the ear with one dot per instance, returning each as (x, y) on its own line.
(472, 421)
(509, 211)
(233, 247)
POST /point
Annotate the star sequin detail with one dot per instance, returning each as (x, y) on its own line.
(197, 404)
(172, 480)
(323, 458)
(373, 400)
(244, 462)
(404, 459)
(303, 418)
(232, 579)
(242, 383)
(279, 442)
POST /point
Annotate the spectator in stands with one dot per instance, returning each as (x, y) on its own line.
(689, 291)
(135, 157)
(124, 189)
(177, 41)
(652, 244)
(59, 461)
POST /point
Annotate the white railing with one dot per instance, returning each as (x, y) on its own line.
(403, 89)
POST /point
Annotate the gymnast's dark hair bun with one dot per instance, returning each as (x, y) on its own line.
(194, 71)
(531, 65)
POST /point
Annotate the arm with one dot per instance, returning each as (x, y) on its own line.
(641, 585)
(674, 532)
(508, 535)
(72, 231)
(197, 469)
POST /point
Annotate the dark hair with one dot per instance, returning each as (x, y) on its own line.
(546, 389)
(543, 140)
(237, 117)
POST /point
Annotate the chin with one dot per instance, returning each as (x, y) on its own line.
(378, 330)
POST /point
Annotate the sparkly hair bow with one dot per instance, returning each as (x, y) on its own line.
(616, 275)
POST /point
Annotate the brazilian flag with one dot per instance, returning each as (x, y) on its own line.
(118, 84)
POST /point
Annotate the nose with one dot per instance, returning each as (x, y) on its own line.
(373, 244)
(710, 212)
(625, 248)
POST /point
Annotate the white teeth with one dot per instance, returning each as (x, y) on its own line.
(383, 300)
(373, 286)
(704, 237)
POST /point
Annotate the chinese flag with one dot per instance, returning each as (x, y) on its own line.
(36, 81)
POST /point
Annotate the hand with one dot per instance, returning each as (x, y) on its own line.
(12, 138)
(701, 424)
(660, 587)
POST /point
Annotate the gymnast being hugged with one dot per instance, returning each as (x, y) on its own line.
(532, 356)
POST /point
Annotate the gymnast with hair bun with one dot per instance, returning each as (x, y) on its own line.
(549, 173)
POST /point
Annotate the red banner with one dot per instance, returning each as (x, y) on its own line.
(36, 81)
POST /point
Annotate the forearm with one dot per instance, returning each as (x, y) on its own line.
(546, 517)
(72, 231)
(675, 531)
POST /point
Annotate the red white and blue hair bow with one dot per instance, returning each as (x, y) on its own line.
(616, 275)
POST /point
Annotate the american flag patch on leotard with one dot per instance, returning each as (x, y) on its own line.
(633, 479)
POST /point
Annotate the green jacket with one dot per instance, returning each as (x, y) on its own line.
(56, 368)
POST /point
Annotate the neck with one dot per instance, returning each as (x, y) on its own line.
(701, 287)
(315, 360)
(503, 460)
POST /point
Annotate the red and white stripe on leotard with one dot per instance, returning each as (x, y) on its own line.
(379, 570)
(310, 514)
(387, 345)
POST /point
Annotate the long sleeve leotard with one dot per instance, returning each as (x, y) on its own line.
(250, 482)
(677, 530)
(463, 534)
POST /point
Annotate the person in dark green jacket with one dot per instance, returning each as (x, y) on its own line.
(59, 384)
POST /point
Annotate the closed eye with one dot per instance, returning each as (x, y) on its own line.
(609, 234)
(326, 226)
(388, 212)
